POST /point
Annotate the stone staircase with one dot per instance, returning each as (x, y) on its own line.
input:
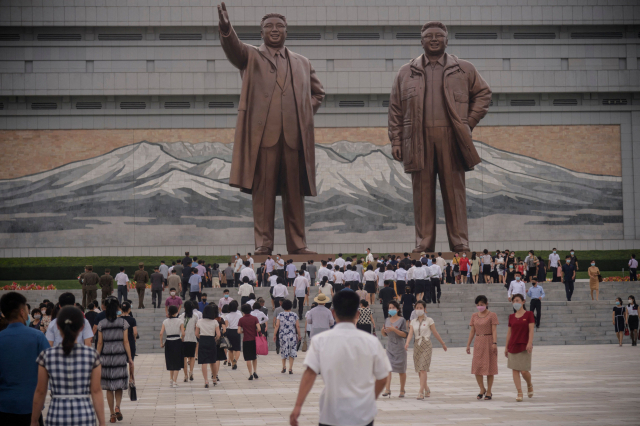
(580, 321)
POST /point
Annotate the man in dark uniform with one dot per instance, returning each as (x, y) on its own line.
(141, 277)
(89, 286)
(106, 284)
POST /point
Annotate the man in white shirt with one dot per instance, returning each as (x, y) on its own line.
(442, 264)
(290, 271)
(435, 274)
(237, 268)
(280, 267)
(518, 287)
(410, 280)
(401, 278)
(339, 262)
(269, 264)
(554, 264)
(301, 286)
(369, 258)
(122, 279)
(244, 291)
(344, 355)
(633, 268)
(247, 271)
(351, 278)
(323, 272)
(420, 276)
(53, 333)
(279, 291)
(250, 259)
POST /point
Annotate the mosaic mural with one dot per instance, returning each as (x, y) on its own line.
(176, 193)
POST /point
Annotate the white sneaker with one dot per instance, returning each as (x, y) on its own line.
(175, 384)
(170, 383)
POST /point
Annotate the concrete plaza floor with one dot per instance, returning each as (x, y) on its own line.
(574, 385)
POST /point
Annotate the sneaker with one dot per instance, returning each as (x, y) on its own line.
(175, 385)
(235, 367)
(170, 383)
(255, 376)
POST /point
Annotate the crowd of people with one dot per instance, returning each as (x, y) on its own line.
(100, 341)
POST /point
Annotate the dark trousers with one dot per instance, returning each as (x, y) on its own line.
(122, 293)
(568, 288)
(106, 292)
(555, 278)
(140, 297)
(435, 290)
(536, 307)
(290, 282)
(156, 294)
(236, 279)
(277, 300)
(278, 340)
(193, 295)
(185, 286)
(300, 306)
(17, 419)
(243, 300)
(428, 289)
(385, 309)
(633, 274)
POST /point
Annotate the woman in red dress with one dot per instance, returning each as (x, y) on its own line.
(520, 344)
(485, 350)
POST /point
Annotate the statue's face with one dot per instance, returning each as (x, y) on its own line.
(274, 32)
(434, 41)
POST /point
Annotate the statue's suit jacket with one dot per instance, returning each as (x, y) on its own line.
(258, 72)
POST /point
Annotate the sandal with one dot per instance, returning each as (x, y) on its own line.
(387, 393)
(420, 396)
(428, 394)
(191, 377)
(185, 379)
(113, 418)
(480, 396)
(284, 370)
(519, 397)
(530, 391)
(290, 371)
(118, 414)
(401, 394)
(206, 385)
(487, 397)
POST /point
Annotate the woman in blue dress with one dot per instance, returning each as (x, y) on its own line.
(288, 325)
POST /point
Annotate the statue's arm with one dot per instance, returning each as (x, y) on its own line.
(317, 91)
(235, 50)
(396, 118)
(479, 98)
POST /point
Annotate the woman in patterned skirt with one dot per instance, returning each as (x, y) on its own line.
(115, 355)
(421, 329)
(288, 325)
(485, 350)
(72, 371)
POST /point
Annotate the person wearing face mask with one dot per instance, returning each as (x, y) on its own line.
(421, 328)
(520, 345)
(510, 275)
(536, 294)
(464, 268)
(569, 276)
(554, 264)
(517, 287)
(173, 300)
(224, 300)
(19, 378)
(395, 328)
(36, 322)
(574, 259)
(46, 312)
(594, 279)
(632, 319)
(619, 319)
(483, 327)
(115, 356)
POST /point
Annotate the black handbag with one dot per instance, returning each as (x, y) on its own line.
(295, 303)
(133, 393)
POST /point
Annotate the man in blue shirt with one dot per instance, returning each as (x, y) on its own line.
(536, 294)
(195, 285)
(18, 368)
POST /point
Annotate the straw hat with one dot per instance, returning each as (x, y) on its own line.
(321, 299)
(422, 254)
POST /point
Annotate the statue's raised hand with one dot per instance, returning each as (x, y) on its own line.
(223, 18)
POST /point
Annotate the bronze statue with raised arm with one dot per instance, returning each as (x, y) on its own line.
(274, 146)
(436, 101)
